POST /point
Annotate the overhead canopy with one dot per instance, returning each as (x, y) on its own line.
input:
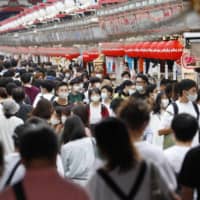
(163, 50)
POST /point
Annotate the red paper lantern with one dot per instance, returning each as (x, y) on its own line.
(174, 50)
(144, 51)
(161, 53)
(118, 52)
(153, 51)
(129, 50)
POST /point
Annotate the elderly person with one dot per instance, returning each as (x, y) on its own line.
(8, 123)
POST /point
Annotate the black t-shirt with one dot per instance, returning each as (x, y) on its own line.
(190, 172)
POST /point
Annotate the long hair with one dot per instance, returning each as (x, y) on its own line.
(73, 129)
(114, 143)
(157, 104)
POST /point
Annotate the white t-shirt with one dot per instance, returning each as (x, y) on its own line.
(7, 128)
(78, 158)
(182, 108)
(47, 96)
(10, 162)
(156, 156)
(95, 114)
(175, 156)
(155, 125)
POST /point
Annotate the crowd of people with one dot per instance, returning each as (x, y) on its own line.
(66, 133)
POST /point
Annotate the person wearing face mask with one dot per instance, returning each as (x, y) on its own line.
(96, 110)
(159, 107)
(185, 104)
(124, 92)
(94, 82)
(125, 75)
(55, 120)
(106, 96)
(75, 95)
(62, 95)
(141, 86)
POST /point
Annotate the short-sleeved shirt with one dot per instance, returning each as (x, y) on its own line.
(73, 98)
(182, 108)
(190, 175)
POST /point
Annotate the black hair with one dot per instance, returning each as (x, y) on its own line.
(26, 77)
(94, 80)
(60, 84)
(73, 129)
(115, 104)
(75, 81)
(108, 88)
(126, 73)
(151, 88)
(134, 113)
(38, 142)
(9, 73)
(3, 93)
(51, 73)
(143, 77)
(185, 127)
(157, 103)
(10, 87)
(164, 82)
(18, 94)
(18, 132)
(186, 84)
(48, 85)
(94, 90)
(81, 111)
(43, 109)
(126, 83)
(124, 157)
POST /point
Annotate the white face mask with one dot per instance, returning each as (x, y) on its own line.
(104, 95)
(67, 75)
(63, 119)
(97, 85)
(63, 95)
(130, 91)
(165, 103)
(81, 86)
(192, 97)
(125, 79)
(95, 98)
(139, 88)
(54, 121)
(99, 76)
(76, 88)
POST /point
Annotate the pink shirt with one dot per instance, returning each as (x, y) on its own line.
(46, 184)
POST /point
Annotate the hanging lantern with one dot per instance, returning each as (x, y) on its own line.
(174, 50)
(144, 51)
(161, 50)
(153, 51)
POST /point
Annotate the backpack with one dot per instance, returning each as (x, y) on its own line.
(176, 110)
(115, 188)
(51, 100)
(158, 188)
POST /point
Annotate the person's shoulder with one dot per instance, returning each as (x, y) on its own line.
(194, 152)
(170, 151)
(75, 190)
(7, 194)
